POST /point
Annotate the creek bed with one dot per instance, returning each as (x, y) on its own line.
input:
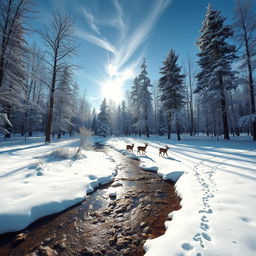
(102, 225)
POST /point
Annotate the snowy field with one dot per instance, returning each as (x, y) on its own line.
(215, 179)
(38, 179)
(217, 187)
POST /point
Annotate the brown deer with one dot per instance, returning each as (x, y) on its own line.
(129, 148)
(163, 151)
(143, 149)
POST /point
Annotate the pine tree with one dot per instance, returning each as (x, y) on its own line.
(63, 108)
(215, 59)
(103, 128)
(94, 121)
(172, 90)
(162, 126)
(135, 110)
(144, 100)
(13, 74)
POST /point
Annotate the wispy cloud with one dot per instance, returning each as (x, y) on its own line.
(140, 34)
(90, 19)
(99, 41)
(118, 22)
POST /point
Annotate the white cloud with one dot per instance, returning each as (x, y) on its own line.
(137, 38)
(101, 42)
(90, 19)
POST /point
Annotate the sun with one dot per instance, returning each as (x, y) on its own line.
(113, 88)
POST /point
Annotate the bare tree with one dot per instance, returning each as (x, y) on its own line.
(190, 72)
(61, 45)
(245, 33)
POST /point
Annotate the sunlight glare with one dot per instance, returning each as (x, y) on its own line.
(112, 70)
(113, 88)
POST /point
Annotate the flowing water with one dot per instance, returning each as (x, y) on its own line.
(102, 225)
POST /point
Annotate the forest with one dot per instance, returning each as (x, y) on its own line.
(212, 93)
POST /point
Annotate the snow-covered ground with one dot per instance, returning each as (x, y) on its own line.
(217, 185)
(215, 179)
(38, 179)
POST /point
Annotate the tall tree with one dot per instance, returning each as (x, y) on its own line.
(12, 14)
(172, 90)
(63, 108)
(191, 77)
(134, 104)
(215, 59)
(245, 34)
(60, 44)
(145, 99)
(104, 127)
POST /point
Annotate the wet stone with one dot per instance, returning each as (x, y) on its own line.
(46, 251)
(143, 224)
(20, 237)
(121, 209)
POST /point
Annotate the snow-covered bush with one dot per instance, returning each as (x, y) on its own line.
(64, 153)
(247, 120)
(3, 121)
(85, 138)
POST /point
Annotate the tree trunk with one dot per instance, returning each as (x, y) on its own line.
(254, 130)
(49, 119)
(178, 130)
(223, 108)
(147, 131)
(169, 126)
(1, 70)
(169, 131)
(50, 110)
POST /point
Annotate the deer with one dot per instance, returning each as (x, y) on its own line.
(129, 148)
(163, 151)
(143, 149)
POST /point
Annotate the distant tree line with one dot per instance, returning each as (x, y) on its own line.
(214, 95)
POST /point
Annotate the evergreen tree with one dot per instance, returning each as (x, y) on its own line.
(63, 108)
(162, 126)
(215, 59)
(94, 121)
(172, 90)
(13, 73)
(135, 110)
(144, 100)
(103, 128)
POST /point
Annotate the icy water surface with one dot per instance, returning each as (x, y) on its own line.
(102, 225)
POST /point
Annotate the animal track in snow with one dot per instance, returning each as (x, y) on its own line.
(206, 236)
(205, 177)
(204, 226)
(187, 247)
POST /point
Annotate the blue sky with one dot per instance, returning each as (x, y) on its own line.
(115, 36)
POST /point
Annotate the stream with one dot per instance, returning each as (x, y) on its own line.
(102, 225)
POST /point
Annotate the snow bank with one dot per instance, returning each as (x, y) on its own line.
(39, 179)
(216, 181)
